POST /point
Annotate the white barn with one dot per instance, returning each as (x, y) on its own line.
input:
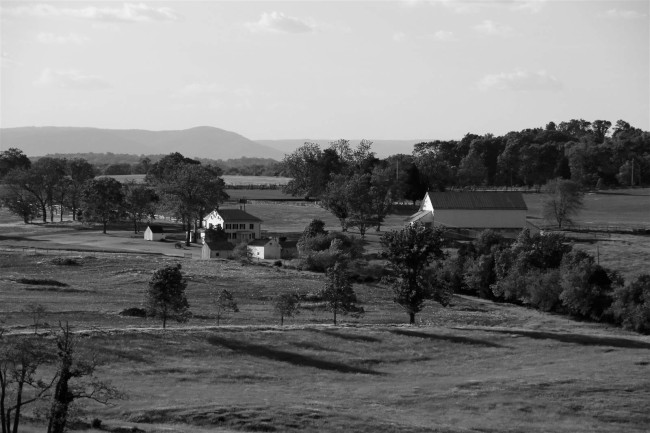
(471, 212)
(154, 233)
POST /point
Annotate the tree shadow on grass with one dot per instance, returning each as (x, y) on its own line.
(284, 356)
(350, 337)
(585, 340)
(451, 338)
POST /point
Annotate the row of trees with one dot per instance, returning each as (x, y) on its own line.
(177, 186)
(592, 154)
(543, 271)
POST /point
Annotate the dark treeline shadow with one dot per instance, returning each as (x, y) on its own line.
(450, 338)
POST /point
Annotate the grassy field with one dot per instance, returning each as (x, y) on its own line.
(474, 366)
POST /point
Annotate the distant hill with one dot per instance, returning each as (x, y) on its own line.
(201, 142)
(382, 148)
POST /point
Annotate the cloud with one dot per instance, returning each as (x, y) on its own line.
(70, 79)
(128, 12)
(490, 28)
(52, 39)
(443, 35)
(277, 22)
(627, 14)
(475, 6)
(520, 81)
(399, 37)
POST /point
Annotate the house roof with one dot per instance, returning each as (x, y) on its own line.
(220, 246)
(236, 215)
(497, 200)
(155, 229)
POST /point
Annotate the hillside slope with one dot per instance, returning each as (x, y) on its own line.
(203, 141)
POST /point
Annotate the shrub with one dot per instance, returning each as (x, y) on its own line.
(134, 312)
(318, 261)
(586, 286)
(242, 253)
(65, 261)
(544, 290)
(96, 423)
(631, 306)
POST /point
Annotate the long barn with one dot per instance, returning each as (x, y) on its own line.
(468, 213)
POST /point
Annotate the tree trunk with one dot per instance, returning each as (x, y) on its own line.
(19, 399)
(135, 226)
(281, 319)
(2, 404)
(335, 316)
(105, 223)
(44, 210)
(411, 318)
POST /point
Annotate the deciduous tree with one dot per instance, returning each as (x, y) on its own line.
(166, 295)
(286, 305)
(102, 200)
(338, 293)
(409, 253)
(225, 302)
(563, 201)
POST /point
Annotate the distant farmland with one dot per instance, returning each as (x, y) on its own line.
(229, 179)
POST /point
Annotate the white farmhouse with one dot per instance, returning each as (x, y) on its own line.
(468, 213)
(239, 225)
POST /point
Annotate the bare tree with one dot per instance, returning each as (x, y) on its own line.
(563, 201)
(20, 358)
(75, 379)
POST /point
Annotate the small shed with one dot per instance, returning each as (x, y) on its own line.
(154, 233)
(265, 249)
(217, 250)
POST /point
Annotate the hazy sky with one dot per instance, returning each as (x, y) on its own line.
(325, 69)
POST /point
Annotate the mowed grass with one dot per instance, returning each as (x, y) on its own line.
(474, 366)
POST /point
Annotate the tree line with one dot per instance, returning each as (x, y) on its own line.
(177, 186)
(592, 154)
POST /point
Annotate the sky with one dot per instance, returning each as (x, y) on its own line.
(325, 69)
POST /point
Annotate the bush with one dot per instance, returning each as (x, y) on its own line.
(277, 263)
(318, 261)
(544, 290)
(241, 252)
(631, 306)
(96, 423)
(65, 261)
(134, 312)
(586, 286)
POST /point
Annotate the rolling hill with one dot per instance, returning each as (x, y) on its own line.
(202, 141)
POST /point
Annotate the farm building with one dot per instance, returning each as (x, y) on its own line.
(154, 233)
(467, 213)
(239, 225)
(265, 249)
(215, 249)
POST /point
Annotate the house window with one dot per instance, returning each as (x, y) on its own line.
(242, 226)
(227, 226)
(251, 226)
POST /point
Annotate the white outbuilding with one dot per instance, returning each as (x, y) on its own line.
(154, 233)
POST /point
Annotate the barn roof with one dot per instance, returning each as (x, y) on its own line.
(155, 228)
(220, 246)
(497, 200)
(236, 215)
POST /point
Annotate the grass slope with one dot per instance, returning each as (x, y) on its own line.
(475, 366)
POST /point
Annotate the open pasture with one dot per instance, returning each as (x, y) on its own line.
(474, 366)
